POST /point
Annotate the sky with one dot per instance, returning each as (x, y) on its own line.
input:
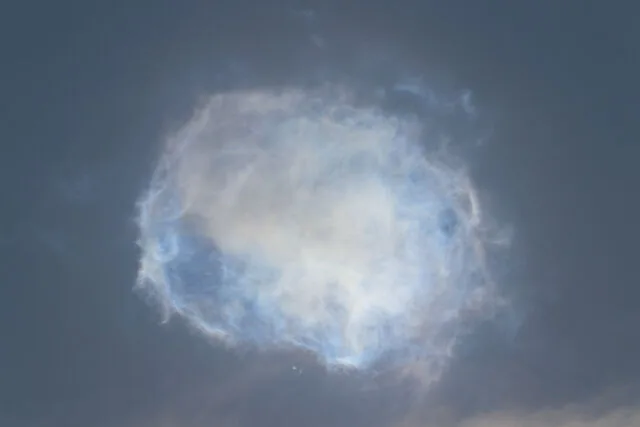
(91, 90)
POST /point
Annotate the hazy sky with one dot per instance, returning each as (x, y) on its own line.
(89, 91)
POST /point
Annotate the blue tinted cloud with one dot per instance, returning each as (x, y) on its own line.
(303, 219)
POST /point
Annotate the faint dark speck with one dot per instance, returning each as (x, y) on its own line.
(448, 222)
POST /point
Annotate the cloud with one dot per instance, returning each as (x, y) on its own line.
(300, 218)
(616, 407)
(227, 410)
(620, 417)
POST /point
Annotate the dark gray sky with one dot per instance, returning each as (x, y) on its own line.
(89, 90)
